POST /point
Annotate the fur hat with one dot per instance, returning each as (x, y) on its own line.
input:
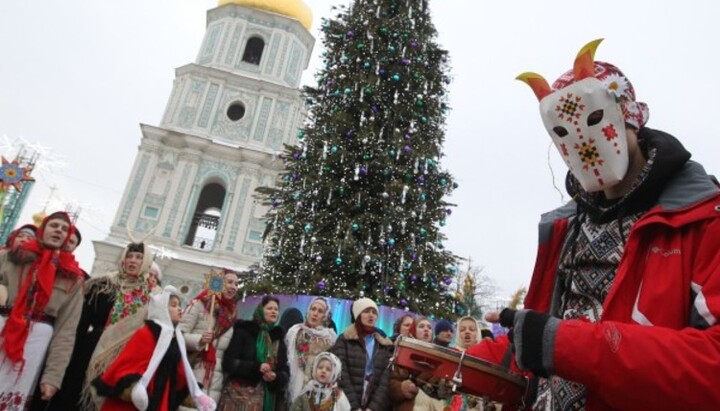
(361, 305)
(443, 325)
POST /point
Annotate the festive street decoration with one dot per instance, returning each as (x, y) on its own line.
(15, 186)
(13, 174)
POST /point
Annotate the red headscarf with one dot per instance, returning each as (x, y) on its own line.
(35, 291)
(13, 234)
(225, 312)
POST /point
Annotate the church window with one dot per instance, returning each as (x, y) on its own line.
(255, 236)
(206, 219)
(253, 50)
(236, 111)
(151, 212)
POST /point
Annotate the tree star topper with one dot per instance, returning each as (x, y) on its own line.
(214, 283)
(11, 174)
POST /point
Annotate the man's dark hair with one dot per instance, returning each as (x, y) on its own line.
(136, 248)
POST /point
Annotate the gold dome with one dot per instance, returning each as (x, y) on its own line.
(295, 9)
(38, 218)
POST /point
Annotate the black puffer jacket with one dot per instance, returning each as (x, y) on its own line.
(240, 359)
(353, 356)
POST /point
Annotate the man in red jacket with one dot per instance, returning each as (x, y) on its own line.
(622, 309)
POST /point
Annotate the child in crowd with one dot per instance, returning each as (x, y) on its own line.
(152, 371)
(322, 391)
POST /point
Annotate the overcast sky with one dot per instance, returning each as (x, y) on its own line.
(79, 76)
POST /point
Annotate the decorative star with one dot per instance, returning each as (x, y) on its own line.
(214, 283)
(12, 174)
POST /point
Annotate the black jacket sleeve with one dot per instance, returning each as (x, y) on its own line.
(239, 358)
(340, 349)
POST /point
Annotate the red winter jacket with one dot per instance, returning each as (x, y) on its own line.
(657, 345)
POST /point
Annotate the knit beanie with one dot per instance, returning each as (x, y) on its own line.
(361, 305)
(443, 325)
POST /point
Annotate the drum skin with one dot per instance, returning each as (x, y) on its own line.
(475, 376)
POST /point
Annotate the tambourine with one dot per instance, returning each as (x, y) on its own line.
(466, 374)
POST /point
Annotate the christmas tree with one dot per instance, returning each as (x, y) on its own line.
(359, 208)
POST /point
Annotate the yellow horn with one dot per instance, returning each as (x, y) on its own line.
(584, 66)
(537, 83)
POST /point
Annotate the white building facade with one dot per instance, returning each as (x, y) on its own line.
(229, 113)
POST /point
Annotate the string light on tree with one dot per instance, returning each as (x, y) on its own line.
(367, 167)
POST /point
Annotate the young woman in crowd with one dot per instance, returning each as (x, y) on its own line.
(364, 354)
(207, 338)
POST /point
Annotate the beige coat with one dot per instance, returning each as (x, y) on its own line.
(195, 322)
(65, 305)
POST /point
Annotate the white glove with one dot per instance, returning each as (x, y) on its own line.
(139, 397)
(205, 403)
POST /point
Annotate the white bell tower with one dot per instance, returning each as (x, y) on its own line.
(191, 186)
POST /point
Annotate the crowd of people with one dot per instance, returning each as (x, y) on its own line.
(621, 313)
(119, 341)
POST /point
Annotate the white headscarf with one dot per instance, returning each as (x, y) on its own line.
(317, 391)
(459, 343)
(159, 314)
(321, 332)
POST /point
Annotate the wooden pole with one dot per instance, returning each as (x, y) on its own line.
(211, 319)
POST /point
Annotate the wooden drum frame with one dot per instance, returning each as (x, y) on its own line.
(465, 374)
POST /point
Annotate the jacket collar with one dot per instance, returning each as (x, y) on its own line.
(352, 334)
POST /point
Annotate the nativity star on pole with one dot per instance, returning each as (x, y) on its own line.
(12, 174)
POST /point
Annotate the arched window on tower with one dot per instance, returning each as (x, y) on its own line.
(253, 50)
(204, 227)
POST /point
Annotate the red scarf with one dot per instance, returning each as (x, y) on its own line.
(35, 291)
(225, 315)
(363, 330)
